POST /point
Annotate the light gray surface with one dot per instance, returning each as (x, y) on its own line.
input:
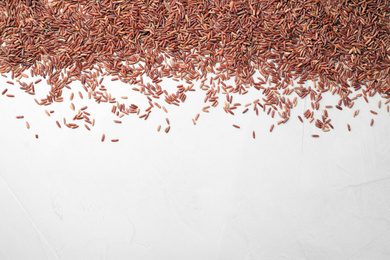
(200, 192)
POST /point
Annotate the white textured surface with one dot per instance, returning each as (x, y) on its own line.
(204, 192)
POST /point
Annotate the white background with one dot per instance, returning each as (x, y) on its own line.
(199, 192)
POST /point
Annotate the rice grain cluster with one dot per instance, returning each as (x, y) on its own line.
(338, 46)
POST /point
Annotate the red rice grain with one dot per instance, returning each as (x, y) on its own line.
(336, 46)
